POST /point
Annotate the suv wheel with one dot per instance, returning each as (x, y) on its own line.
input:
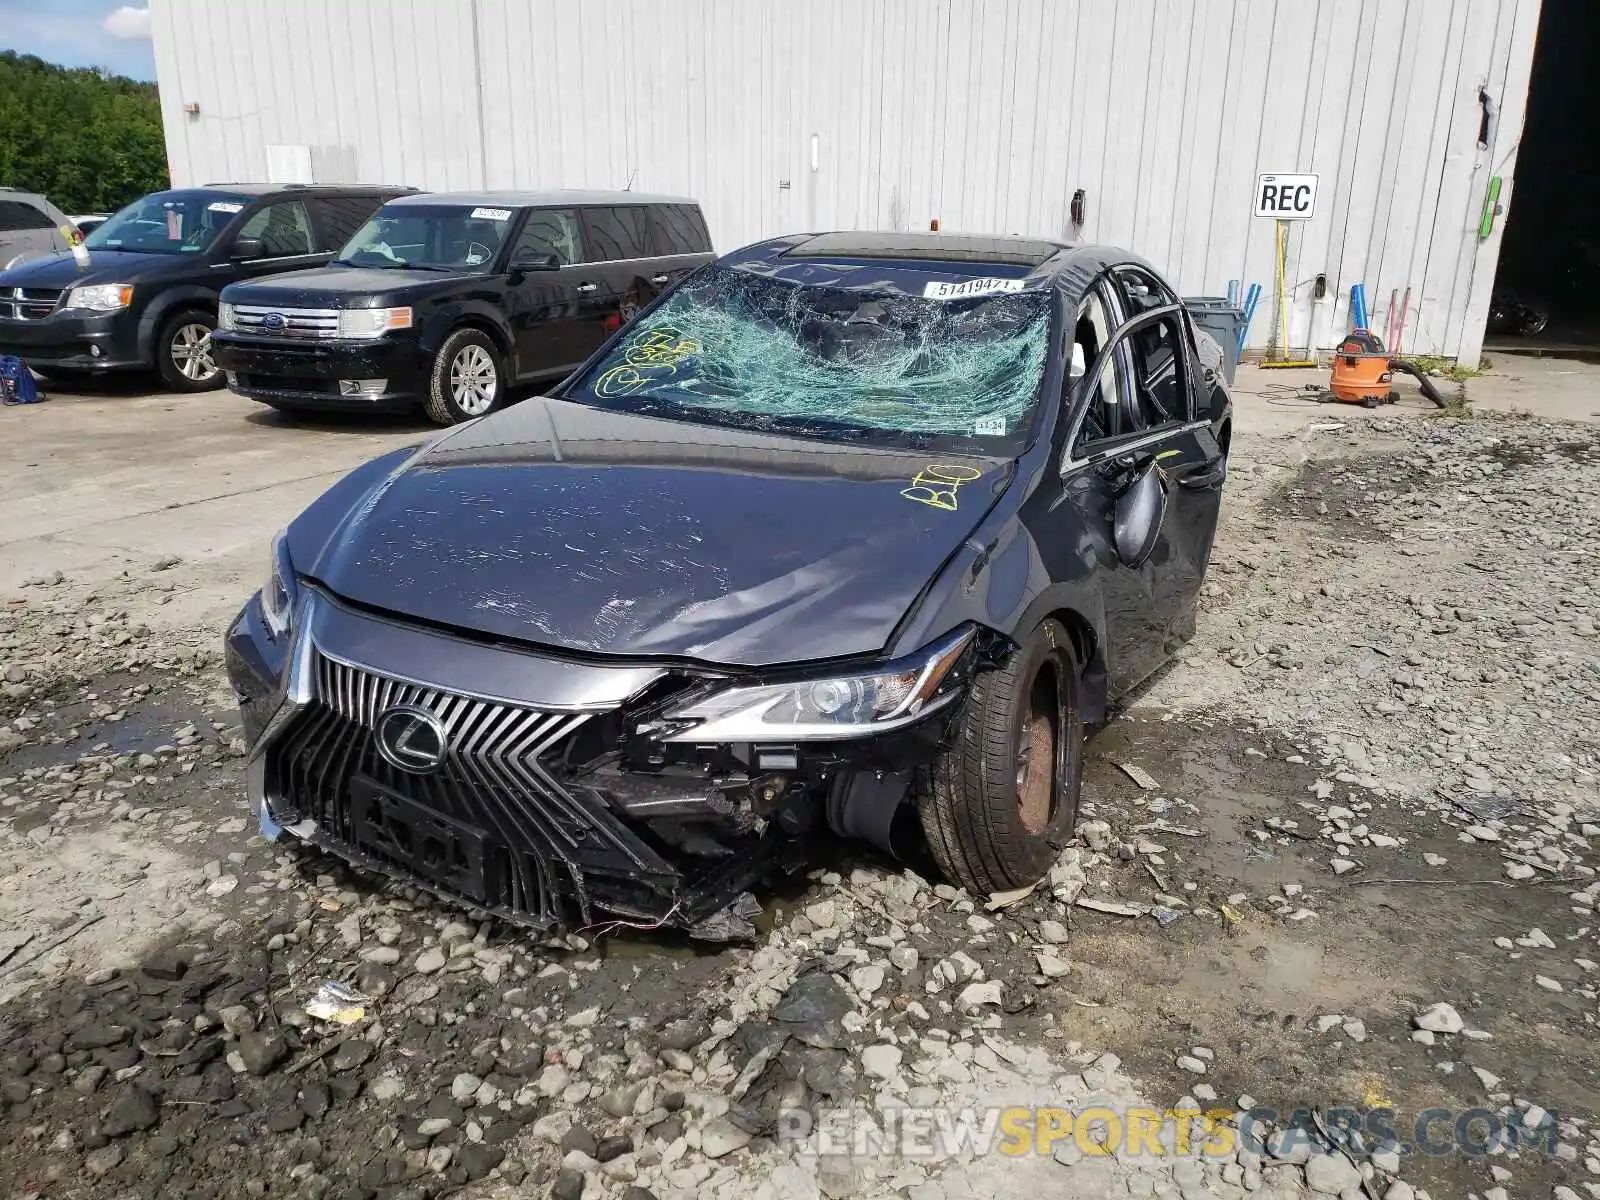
(468, 380)
(183, 352)
(1002, 799)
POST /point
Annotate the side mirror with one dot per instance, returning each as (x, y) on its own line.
(535, 262)
(244, 248)
(1136, 524)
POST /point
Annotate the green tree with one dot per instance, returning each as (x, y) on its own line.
(89, 141)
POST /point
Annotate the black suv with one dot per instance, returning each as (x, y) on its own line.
(448, 300)
(147, 296)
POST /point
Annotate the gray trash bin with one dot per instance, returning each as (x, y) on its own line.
(1223, 322)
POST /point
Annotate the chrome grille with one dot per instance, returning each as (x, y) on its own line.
(286, 322)
(29, 304)
(549, 847)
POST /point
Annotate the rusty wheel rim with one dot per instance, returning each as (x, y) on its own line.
(1036, 755)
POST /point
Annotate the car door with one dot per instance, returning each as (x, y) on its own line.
(545, 303)
(1164, 367)
(1080, 519)
(616, 241)
(288, 243)
(679, 244)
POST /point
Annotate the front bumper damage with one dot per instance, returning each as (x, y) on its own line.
(556, 804)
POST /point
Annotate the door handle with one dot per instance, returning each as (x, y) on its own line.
(586, 288)
(661, 278)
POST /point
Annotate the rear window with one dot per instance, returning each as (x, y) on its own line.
(610, 234)
(15, 215)
(678, 229)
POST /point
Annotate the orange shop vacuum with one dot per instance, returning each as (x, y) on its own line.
(1363, 370)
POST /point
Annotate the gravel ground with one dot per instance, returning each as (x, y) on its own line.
(1337, 857)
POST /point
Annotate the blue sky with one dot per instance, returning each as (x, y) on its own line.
(81, 33)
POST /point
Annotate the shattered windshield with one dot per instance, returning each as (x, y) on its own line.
(846, 364)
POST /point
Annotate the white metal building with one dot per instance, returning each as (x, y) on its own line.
(985, 115)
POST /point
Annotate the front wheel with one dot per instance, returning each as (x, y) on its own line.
(183, 352)
(468, 378)
(1002, 799)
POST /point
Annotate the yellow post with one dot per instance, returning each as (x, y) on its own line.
(1280, 355)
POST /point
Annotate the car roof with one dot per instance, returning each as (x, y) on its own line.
(269, 189)
(930, 247)
(549, 198)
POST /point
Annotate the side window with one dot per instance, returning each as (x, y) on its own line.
(677, 229)
(283, 227)
(1141, 386)
(1142, 290)
(1159, 392)
(340, 216)
(613, 233)
(15, 215)
(1092, 333)
(550, 231)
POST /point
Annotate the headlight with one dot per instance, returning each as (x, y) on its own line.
(99, 297)
(277, 594)
(370, 322)
(226, 320)
(839, 706)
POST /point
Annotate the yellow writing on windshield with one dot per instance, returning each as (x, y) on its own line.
(649, 357)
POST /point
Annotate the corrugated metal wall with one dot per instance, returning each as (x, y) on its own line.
(984, 114)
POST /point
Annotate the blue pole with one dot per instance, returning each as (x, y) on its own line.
(1358, 305)
(1251, 299)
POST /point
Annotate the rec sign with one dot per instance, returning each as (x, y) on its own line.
(1286, 197)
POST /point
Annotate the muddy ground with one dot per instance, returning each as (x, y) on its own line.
(1368, 788)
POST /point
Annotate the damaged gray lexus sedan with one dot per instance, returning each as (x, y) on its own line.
(845, 533)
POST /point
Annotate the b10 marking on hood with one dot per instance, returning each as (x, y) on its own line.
(936, 484)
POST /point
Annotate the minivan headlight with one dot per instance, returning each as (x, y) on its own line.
(99, 297)
(372, 322)
(837, 706)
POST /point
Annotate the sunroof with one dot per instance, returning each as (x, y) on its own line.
(947, 247)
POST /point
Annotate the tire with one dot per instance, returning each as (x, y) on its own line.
(994, 823)
(183, 357)
(466, 363)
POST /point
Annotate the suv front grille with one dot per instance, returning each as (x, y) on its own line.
(286, 322)
(29, 304)
(494, 824)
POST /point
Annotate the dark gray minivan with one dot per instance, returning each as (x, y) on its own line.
(447, 300)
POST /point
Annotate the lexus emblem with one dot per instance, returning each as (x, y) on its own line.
(274, 320)
(413, 739)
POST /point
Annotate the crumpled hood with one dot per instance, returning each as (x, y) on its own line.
(604, 532)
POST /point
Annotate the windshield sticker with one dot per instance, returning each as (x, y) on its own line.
(989, 427)
(649, 358)
(227, 206)
(970, 287)
(174, 225)
(491, 214)
(936, 484)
